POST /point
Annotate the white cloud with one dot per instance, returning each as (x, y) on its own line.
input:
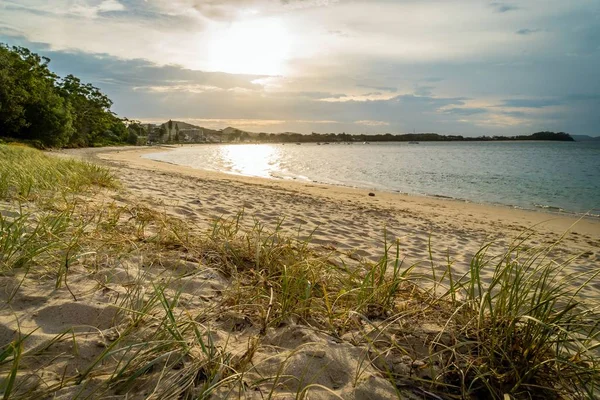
(110, 5)
(178, 88)
(372, 123)
(89, 11)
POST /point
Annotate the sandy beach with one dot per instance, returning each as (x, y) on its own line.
(72, 327)
(348, 219)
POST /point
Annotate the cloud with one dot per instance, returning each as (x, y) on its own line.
(465, 111)
(591, 97)
(432, 79)
(339, 33)
(230, 10)
(110, 5)
(301, 4)
(224, 10)
(526, 31)
(184, 87)
(515, 114)
(531, 103)
(372, 123)
(312, 95)
(424, 90)
(390, 89)
(312, 121)
(450, 67)
(501, 7)
(89, 11)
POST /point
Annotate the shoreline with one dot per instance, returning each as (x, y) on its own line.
(535, 207)
(133, 157)
(430, 232)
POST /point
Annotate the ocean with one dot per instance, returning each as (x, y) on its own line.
(553, 176)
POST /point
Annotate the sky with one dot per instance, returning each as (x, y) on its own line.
(470, 67)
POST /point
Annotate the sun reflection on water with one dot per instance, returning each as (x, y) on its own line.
(251, 159)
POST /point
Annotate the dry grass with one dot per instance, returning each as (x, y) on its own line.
(525, 334)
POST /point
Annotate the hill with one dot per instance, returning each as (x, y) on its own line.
(186, 126)
(585, 138)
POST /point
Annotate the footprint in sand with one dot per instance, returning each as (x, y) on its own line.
(59, 318)
(222, 210)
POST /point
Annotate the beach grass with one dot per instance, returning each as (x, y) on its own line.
(29, 174)
(526, 333)
(523, 331)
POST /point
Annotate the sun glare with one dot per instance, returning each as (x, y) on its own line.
(259, 46)
(249, 159)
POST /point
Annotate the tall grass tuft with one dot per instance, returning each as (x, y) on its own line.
(278, 277)
(524, 331)
(379, 283)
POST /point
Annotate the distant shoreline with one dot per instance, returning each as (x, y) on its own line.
(539, 206)
(131, 157)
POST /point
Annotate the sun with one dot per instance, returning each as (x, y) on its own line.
(258, 46)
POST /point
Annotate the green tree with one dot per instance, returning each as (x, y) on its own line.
(31, 107)
(162, 132)
(177, 133)
(132, 137)
(36, 105)
(93, 121)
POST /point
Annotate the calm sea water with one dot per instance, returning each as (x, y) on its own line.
(558, 176)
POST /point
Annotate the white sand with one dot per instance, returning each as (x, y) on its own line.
(343, 220)
(348, 219)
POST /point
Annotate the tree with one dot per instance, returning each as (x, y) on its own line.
(35, 104)
(31, 107)
(162, 132)
(234, 135)
(91, 108)
(132, 138)
(177, 133)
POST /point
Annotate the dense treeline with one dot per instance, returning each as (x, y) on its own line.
(38, 106)
(411, 137)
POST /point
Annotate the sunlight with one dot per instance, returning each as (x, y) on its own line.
(259, 46)
(250, 159)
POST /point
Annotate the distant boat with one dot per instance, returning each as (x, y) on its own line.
(413, 142)
(366, 143)
(298, 143)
